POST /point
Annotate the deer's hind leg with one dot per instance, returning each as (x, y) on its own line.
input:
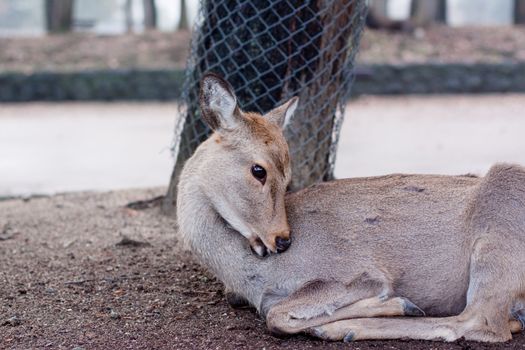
(495, 286)
(322, 302)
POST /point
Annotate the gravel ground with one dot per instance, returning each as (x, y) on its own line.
(83, 271)
(157, 50)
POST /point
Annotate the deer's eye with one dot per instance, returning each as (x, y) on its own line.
(259, 173)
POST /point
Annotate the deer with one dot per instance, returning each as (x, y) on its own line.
(429, 257)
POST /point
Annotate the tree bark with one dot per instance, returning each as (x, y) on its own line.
(306, 55)
(183, 21)
(59, 15)
(150, 14)
(519, 11)
(426, 12)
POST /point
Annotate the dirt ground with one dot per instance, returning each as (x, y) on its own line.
(156, 50)
(84, 271)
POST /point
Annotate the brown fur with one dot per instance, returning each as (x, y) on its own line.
(265, 132)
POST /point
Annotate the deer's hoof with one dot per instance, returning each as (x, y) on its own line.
(318, 332)
(520, 316)
(349, 337)
(411, 309)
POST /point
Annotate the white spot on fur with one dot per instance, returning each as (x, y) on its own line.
(259, 249)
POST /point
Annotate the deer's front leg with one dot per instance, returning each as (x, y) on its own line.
(321, 303)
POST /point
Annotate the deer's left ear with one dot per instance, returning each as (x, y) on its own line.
(218, 103)
(281, 115)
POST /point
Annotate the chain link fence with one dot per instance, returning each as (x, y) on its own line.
(270, 51)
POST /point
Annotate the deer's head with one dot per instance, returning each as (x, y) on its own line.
(248, 166)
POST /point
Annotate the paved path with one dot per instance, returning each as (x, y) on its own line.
(46, 148)
(436, 134)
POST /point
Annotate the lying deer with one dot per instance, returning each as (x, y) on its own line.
(367, 253)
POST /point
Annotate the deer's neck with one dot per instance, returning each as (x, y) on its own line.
(220, 248)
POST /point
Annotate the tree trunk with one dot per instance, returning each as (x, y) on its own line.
(59, 15)
(183, 22)
(150, 14)
(426, 12)
(519, 11)
(128, 15)
(305, 55)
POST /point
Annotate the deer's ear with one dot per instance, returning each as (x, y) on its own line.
(218, 103)
(281, 115)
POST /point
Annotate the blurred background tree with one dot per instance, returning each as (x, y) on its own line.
(519, 11)
(150, 14)
(59, 15)
(184, 23)
(424, 13)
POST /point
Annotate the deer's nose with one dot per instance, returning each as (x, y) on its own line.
(282, 243)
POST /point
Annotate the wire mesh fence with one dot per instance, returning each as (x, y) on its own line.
(270, 51)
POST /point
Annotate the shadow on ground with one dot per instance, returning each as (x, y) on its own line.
(83, 270)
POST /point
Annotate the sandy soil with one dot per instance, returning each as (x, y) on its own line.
(169, 50)
(83, 271)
